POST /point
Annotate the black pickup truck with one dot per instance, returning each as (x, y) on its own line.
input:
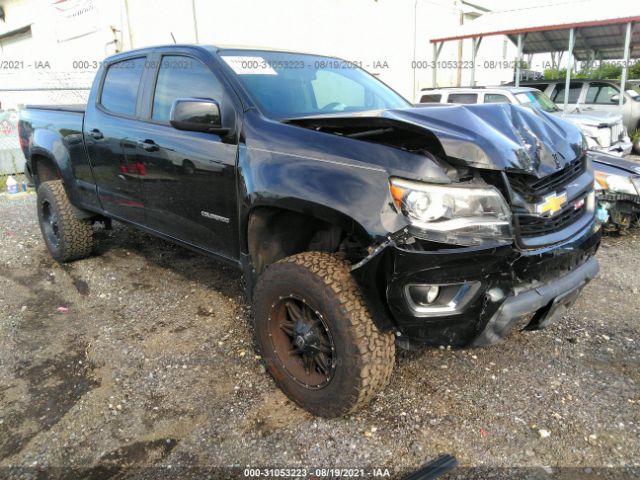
(359, 221)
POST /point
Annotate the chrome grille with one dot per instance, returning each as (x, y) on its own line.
(535, 225)
(533, 189)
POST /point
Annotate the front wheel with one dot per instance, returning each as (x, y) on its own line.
(317, 337)
(67, 237)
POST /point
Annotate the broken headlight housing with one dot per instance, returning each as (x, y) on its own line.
(616, 183)
(456, 214)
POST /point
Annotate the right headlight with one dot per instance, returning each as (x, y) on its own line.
(616, 183)
(456, 214)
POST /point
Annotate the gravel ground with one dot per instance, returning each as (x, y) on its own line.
(150, 363)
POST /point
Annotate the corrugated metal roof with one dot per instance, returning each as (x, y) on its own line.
(600, 26)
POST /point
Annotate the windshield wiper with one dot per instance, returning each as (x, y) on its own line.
(370, 133)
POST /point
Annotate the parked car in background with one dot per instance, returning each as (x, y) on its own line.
(596, 96)
(603, 130)
(618, 191)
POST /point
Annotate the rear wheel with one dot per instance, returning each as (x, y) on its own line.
(316, 336)
(67, 237)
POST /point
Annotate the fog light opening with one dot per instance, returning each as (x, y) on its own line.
(424, 295)
(438, 300)
(432, 294)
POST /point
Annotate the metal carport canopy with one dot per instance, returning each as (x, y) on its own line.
(588, 29)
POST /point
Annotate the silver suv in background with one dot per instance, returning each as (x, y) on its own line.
(596, 96)
(604, 131)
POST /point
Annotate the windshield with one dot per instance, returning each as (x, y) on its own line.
(290, 85)
(537, 100)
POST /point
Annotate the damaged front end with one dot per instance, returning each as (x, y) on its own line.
(472, 295)
(508, 242)
(617, 184)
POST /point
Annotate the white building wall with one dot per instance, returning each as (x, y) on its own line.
(384, 35)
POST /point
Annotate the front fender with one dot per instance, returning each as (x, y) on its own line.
(356, 198)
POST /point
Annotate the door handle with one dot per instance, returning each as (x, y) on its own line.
(96, 134)
(149, 145)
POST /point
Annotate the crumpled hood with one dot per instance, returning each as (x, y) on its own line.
(491, 136)
(500, 136)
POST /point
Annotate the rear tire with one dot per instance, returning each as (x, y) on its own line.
(67, 237)
(342, 361)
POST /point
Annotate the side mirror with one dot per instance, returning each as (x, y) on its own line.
(615, 98)
(197, 115)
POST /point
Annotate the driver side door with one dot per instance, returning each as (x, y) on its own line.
(189, 180)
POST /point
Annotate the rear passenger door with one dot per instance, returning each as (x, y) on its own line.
(109, 127)
(189, 182)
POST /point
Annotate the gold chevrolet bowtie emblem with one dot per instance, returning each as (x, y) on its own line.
(552, 204)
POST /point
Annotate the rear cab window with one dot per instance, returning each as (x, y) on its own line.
(121, 83)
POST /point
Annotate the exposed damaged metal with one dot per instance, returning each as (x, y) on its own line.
(492, 136)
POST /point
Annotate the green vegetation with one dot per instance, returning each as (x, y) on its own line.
(606, 70)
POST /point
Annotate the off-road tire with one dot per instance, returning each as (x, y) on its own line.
(74, 238)
(365, 356)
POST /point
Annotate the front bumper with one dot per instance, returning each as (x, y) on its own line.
(528, 286)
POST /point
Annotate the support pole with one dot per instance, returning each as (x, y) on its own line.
(625, 65)
(518, 60)
(475, 45)
(195, 20)
(129, 31)
(434, 73)
(572, 40)
(437, 48)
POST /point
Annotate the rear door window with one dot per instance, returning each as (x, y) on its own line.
(601, 93)
(574, 93)
(121, 83)
(465, 98)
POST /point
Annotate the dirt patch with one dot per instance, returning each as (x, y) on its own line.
(170, 380)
